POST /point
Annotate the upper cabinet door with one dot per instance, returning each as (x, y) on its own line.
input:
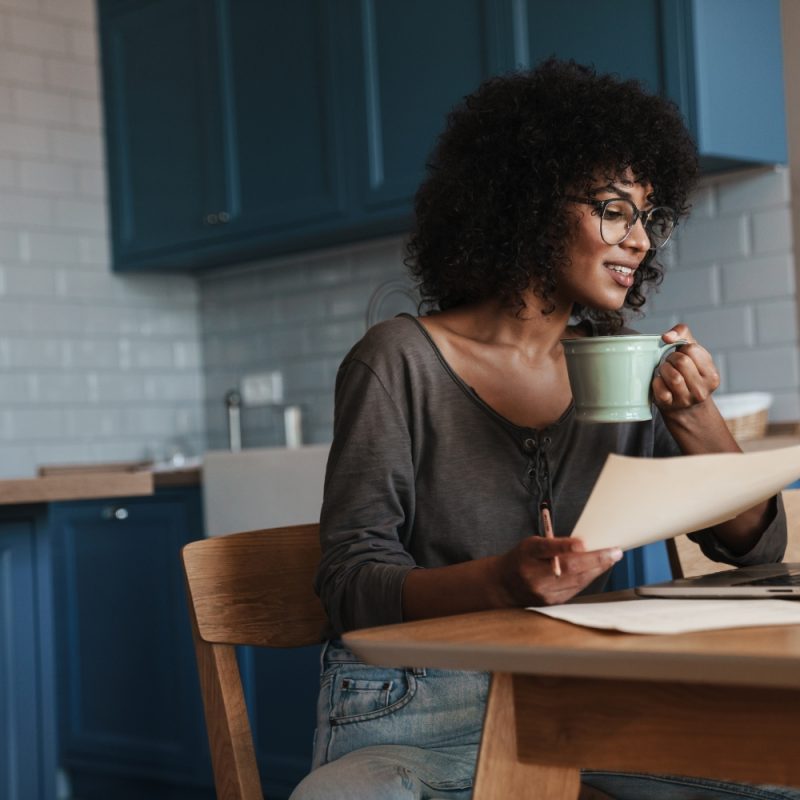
(622, 36)
(282, 84)
(165, 135)
(693, 51)
(417, 60)
(724, 68)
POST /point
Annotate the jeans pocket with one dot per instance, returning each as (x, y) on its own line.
(361, 692)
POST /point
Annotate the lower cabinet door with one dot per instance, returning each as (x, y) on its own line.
(130, 713)
(27, 722)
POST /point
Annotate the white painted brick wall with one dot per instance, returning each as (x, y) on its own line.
(93, 366)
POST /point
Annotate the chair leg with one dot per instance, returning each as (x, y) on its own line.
(499, 774)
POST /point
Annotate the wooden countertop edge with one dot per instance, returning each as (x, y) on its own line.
(84, 486)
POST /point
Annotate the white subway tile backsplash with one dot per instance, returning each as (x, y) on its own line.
(149, 354)
(704, 202)
(713, 239)
(100, 354)
(763, 368)
(37, 105)
(758, 278)
(776, 322)
(92, 422)
(8, 173)
(70, 75)
(47, 247)
(785, 406)
(686, 289)
(761, 190)
(82, 215)
(22, 139)
(21, 68)
(18, 459)
(86, 113)
(722, 328)
(9, 245)
(772, 230)
(32, 353)
(74, 145)
(24, 281)
(47, 176)
(94, 250)
(35, 424)
(62, 388)
(23, 210)
(91, 182)
(78, 345)
(83, 43)
(73, 11)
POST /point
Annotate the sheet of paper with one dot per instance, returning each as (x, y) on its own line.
(654, 615)
(636, 501)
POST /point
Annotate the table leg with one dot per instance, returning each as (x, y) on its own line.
(500, 775)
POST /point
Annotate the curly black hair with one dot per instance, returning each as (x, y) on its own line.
(491, 215)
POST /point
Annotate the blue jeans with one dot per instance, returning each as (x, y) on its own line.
(413, 734)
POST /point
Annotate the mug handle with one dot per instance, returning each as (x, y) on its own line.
(666, 349)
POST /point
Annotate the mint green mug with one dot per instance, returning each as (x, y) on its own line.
(610, 376)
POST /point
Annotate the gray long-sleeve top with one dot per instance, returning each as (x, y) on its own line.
(423, 473)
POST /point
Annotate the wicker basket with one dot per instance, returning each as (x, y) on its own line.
(750, 426)
(745, 414)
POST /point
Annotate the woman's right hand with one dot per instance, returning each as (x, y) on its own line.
(527, 576)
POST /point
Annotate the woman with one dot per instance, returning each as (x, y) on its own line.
(547, 197)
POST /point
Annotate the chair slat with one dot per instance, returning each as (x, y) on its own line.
(256, 587)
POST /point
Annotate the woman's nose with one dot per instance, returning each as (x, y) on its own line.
(637, 239)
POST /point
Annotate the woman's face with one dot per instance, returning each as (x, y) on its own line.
(599, 275)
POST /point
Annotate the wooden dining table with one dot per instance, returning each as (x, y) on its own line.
(720, 704)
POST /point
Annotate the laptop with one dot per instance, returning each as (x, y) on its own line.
(765, 580)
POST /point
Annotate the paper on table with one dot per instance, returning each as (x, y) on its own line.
(676, 616)
(636, 501)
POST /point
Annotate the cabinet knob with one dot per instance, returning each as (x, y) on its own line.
(223, 216)
(115, 512)
(211, 219)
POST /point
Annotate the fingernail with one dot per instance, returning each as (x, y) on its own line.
(616, 554)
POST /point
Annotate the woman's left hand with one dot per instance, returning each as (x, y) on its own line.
(687, 377)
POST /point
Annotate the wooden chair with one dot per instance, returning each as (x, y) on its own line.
(686, 559)
(252, 588)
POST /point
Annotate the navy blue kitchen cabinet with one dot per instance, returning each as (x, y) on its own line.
(27, 718)
(130, 714)
(239, 129)
(163, 106)
(293, 125)
(719, 60)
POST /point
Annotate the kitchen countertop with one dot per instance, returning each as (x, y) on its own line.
(142, 478)
(94, 481)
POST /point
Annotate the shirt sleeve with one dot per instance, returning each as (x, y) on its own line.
(770, 547)
(368, 504)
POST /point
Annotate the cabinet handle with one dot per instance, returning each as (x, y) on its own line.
(220, 217)
(115, 512)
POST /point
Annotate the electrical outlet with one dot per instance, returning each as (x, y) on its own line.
(262, 389)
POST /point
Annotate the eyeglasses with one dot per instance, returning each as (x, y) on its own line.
(618, 216)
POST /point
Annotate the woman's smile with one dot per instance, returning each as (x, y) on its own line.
(622, 274)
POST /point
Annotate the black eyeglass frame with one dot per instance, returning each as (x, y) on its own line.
(600, 206)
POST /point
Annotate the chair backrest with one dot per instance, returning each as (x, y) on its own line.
(686, 559)
(252, 588)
